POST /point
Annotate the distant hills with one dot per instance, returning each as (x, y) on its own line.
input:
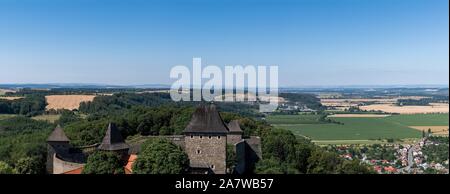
(79, 85)
(144, 86)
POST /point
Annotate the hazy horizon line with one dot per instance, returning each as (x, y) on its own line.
(282, 86)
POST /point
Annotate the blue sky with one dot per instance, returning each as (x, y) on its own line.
(314, 42)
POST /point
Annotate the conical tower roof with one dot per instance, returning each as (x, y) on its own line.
(113, 139)
(58, 135)
(206, 119)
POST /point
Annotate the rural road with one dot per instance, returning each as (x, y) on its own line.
(410, 159)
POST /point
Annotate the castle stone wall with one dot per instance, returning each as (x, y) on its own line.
(207, 151)
(233, 139)
(61, 166)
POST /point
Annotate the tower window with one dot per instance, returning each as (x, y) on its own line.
(192, 136)
(218, 137)
(201, 137)
(209, 137)
(199, 151)
(212, 166)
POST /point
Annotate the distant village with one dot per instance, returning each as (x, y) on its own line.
(407, 158)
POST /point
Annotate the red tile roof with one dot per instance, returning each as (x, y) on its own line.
(75, 171)
(128, 167)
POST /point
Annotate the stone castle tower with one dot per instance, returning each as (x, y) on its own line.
(113, 141)
(206, 140)
(57, 143)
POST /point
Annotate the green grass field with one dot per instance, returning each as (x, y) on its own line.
(352, 129)
(294, 119)
(420, 119)
(6, 116)
(48, 118)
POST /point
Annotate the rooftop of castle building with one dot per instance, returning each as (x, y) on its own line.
(113, 140)
(206, 119)
(58, 135)
(234, 127)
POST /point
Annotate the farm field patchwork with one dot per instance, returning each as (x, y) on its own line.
(359, 128)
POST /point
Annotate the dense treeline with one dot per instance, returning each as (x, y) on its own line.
(160, 156)
(423, 101)
(22, 144)
(144, 114)
(30, 105)
(142, 120)
(103, 162)
(437, 152)
(107, 104)
(284, 153)
(119, 101)
(70, 91)
(163, 120)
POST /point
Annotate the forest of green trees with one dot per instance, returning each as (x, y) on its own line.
(423, 101)
(30, 105)
(23, 146)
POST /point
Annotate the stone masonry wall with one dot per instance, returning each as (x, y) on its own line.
(207, 151)
(233, 139)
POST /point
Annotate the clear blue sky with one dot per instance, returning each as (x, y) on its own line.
(314, 42)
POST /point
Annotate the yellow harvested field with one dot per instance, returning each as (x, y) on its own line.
(438, 130)
(4, 91)
(11, 97)
(69, 102)
(391, 108)
(359, 115)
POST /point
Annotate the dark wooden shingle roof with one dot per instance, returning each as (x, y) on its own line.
(206, 119)
(58, 135)
(113, 140)
(234, 127)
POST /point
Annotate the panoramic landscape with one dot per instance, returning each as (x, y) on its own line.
(224, 87)
(320, 123)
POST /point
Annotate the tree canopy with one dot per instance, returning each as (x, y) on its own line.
(30, 165)
(6, 169)
(160, 156)
(104, 162)
(284, 153)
